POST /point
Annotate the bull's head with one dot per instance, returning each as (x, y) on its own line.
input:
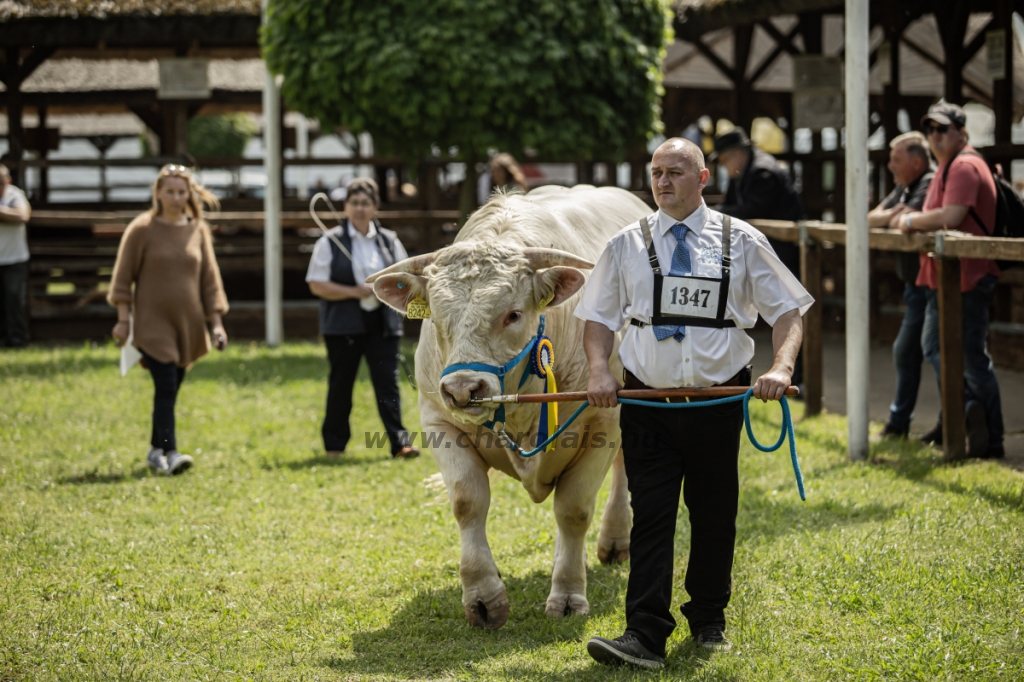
(485, 300)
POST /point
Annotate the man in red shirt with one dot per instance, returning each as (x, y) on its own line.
(962, 196)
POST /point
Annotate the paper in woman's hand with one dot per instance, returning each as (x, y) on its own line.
(130, 356)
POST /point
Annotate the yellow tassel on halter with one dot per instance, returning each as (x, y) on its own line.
(552, 408)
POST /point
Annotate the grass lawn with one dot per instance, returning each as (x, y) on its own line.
(268, 562)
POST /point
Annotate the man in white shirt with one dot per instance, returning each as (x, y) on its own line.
(14, 213)
(686, 299)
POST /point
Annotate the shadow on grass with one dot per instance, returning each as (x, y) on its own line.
(917, 464)
(95, 477)
(323, 461)
(429, 637)
(52, 368)
(764, 515)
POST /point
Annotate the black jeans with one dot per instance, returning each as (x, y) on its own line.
(167, 378)
(344, 351)
(13, 302)
(697, 449)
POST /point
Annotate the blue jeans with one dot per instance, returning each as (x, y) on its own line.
(908, 356)
(979, 374)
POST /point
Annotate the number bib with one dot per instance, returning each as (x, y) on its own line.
(686, 300)
(690, 296)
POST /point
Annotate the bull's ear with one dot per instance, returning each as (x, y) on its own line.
(553, 286)
(399, 289)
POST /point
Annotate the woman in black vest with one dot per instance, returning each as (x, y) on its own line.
(353, 322)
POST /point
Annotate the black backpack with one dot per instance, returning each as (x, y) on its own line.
(1009, 211)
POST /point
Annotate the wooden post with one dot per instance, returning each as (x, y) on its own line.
(15, 131)
(1002, 88)
(810, 273)
(43, 196)
(951, 348)
(742, 38)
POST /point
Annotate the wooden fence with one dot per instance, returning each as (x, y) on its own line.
(948, 248)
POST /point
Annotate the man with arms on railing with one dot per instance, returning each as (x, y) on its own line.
(911, 168)
(962, 197)
(14, 213)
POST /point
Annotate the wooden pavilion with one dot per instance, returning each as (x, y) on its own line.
(734, 60)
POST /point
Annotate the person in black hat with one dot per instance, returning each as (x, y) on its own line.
(759, 188)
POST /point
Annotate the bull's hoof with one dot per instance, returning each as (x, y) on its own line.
(615, 554)
(489, 616)
(562, 605)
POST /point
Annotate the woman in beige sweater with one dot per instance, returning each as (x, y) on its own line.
(167, 254)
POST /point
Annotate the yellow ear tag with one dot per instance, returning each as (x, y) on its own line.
(544, 301)
(417, 309)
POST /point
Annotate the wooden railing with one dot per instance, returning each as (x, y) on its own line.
(948, 248)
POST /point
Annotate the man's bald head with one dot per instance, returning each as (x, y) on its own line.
(691, 152)
(678, 177)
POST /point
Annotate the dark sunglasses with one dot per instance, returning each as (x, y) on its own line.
(940, 129)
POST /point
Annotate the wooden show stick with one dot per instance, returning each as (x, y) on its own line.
(635, 394)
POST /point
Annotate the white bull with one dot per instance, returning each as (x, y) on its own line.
(486, 293)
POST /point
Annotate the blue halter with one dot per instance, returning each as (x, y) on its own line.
(499, 414)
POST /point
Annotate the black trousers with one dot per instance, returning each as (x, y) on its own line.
(13, 302)
(167, 378)
(665, 449)
(344, 353)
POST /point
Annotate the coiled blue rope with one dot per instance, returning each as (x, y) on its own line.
(787, 427)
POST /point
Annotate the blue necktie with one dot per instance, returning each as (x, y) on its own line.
(680, 267)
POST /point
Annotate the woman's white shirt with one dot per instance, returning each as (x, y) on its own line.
(366, 259)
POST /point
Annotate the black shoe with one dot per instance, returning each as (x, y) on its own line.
(890, 431)
(994, 452)
(712, 638)
(977, 429)
(933, 437)
(624, 650)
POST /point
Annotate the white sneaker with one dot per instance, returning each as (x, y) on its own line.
(156, 461)
(177, 463)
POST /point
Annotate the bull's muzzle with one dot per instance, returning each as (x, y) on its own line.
(459, 388)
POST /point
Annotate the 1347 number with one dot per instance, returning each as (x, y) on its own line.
(682, 296)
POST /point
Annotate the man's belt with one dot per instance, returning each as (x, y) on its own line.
(741, 378)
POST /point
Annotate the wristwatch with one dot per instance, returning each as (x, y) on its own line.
(906, 221)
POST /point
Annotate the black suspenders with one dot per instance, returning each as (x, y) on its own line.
(719, 321)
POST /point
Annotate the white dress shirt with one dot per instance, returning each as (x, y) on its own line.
(366, 259)
(621, 287)
(13, 237)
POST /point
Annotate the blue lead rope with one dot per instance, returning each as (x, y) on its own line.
(787, 428)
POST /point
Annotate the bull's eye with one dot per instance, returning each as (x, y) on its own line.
(512, 317)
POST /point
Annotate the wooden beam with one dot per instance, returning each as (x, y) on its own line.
(142, 97)
(779, 49)
(952, 22)
(742, 39)
(33, 61)
(783, 41)
(928, 57)
(813, 358)
(951, 349)
(132, 31)
(712, 57)
(971, 48)
(991, 248)
(1002, 89)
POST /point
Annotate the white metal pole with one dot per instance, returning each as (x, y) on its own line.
(272, 205)
(857, 270)
(302, 151)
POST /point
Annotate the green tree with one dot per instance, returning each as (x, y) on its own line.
(220, 136)
(572, 79)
